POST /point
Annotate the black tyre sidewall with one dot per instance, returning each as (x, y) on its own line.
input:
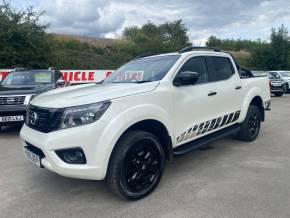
(278, 94)
(117, 164)
(244, 133)
(287, 87)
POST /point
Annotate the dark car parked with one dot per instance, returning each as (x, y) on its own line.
(19, 87)
(278, 85)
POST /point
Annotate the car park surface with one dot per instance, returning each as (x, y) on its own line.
(230, 179)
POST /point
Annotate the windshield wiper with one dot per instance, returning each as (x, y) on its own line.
(144, 81)
(100, 82)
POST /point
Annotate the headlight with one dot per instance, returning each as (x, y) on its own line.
(82, 115)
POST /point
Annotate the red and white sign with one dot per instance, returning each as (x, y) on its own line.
(3, 73)
(85, 76)
(76, 76)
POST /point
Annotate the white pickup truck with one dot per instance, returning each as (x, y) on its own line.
(150, 110)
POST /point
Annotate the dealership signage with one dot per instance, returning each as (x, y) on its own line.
(76, 76)
(3, 73)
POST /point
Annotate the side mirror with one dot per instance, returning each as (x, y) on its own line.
(245, 73)
(60, 83)
(186, 78)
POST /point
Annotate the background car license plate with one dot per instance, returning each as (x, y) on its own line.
(34, 158)
(8, 119)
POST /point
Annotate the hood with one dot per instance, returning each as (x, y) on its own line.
(24, 90)
(90, 93)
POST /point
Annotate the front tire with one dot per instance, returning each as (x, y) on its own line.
(287, 88)
(136, 165)
(278, 94)
(250, 128)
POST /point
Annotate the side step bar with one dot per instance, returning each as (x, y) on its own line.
(195, 144)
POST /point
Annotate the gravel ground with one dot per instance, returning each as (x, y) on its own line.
(234, 179)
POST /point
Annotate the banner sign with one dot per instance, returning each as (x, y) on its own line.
(76, 76)
(85, 76)
(3, 73)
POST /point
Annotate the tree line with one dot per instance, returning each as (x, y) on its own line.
(258, 54)
(24, 42)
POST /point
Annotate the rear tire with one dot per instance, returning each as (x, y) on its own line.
(250, 128)
(136, 165)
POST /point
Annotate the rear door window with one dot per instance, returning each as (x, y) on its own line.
(220, 68)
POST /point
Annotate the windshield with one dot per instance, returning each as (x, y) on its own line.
(285, 74)
(27, 78)
(143, 70)
(274, 75)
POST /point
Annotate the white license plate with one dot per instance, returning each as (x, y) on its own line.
(8, 119)
(34, 158)
(275, 85)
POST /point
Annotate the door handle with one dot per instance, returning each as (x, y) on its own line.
(212, 93)
(238, 87)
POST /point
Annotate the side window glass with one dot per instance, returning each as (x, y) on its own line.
(198, 65)
(221, 68)
(274, 75)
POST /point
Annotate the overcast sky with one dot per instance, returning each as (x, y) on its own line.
(246, 19)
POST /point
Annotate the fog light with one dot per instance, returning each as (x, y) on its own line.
(72, 155)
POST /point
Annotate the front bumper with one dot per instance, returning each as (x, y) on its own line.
(275, 89)
(13, 110)
(93, 139)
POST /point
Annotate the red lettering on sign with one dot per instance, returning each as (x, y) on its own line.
(91, 76)
(109, 73)
(64, 75)
(70, 76)
(76, 76)
(84, 78)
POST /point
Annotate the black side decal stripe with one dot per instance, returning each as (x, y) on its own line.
(230, 118)
(208, 126)
(217, 123)
(205, 127)
(224, 120)
(212, 124)
(236, 117)
(193, 131)
(200, 128)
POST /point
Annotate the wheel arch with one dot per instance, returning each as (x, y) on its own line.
(158, 129)
(257, 101)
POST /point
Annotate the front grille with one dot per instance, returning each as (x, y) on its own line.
(12, 100)
(43, 119)
(276, 88)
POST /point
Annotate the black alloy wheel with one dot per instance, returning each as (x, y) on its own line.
(250, 128)
(136, 165)
(254, 124)
(142, 166)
